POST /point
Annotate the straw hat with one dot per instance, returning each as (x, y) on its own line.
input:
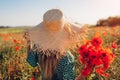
(54, 32)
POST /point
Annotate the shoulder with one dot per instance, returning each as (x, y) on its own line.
(32, 58)
(69, 56)
(66, 67)
(67, 59)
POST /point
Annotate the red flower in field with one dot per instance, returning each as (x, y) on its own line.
(87, 71)
(93, 55)
(114, 45)
(14, 40)
(16, 48)
(32, 78)
(105, 57)
(107, 61)
(94, 60)
(82, 49)
(84, 58)
(97, 41)
(17, 41)
(81, 60)
(102, 72)
(22, 46)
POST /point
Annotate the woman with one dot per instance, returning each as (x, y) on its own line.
(48, 45)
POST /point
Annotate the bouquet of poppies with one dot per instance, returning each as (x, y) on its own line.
(95, 57)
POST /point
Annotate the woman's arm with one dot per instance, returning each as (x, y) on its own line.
(26, 36)
(31, 55)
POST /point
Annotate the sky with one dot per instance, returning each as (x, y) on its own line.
(30, 12)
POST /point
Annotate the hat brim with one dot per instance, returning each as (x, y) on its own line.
(60, 40)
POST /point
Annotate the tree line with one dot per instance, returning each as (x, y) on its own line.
(110, 21)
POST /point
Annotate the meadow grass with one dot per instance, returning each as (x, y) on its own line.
(12, 30)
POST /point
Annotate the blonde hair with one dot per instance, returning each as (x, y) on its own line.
(48, 64)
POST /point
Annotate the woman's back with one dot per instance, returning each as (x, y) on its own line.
(62, 68)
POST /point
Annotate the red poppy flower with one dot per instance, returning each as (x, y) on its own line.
(107, 58)
(16, 48)
(32, 78)
(22, 46)
(97, 41)
(94, 55)
(84, 57)
(14, 40)
(114, 45)
(87, 71)
(102, 72)
(81, 60)
(82, 49)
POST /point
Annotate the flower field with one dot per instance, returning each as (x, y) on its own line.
(13, 65)
(107, 39)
